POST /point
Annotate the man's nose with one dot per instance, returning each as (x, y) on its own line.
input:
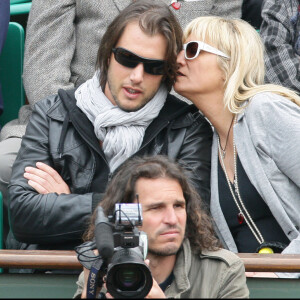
(137, 73)
(170, 216)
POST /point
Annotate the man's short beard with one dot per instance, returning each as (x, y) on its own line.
(114, 95)
(164, 252)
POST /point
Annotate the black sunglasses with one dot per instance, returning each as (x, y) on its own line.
(131, 60)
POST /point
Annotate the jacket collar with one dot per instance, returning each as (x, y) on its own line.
(80, 121)
(172, 109)
(170, 112)
(181, 269)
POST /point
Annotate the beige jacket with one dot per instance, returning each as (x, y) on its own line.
(212, 274)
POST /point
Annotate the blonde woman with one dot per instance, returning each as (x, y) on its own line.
(255, 170)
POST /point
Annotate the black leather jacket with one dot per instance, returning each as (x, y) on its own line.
(60, 135)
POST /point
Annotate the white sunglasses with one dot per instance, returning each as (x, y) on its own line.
(192, 49)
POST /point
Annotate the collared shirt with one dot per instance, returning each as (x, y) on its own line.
(280, 32)
(167, 282)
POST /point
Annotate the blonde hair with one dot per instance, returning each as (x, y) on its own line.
(244, 72)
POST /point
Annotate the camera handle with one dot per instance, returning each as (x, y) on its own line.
(95, 280)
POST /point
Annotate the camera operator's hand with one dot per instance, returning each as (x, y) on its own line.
(108, 295)
(86, 276)
(155, 292)
(45, 179)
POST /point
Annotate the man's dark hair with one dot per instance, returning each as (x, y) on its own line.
(121, 189)
(154, 17)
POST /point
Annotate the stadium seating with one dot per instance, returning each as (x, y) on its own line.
(18, 7)
(11, 69)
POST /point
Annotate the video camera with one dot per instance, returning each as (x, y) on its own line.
(123, 249)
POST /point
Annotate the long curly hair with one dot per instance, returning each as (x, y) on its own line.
(199, 228)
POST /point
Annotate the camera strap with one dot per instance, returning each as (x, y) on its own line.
(95, 279)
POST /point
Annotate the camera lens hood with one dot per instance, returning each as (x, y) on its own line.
(128, 276)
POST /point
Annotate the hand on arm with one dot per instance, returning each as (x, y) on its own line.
(44, 179)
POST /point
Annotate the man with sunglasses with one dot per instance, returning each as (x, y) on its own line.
(62, 39)
(77, 139)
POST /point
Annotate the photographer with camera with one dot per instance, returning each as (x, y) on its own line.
(185, 258)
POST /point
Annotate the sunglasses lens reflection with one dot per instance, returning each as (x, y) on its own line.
(154, 68)
(126, 58)
(191, 49)
(131, 60)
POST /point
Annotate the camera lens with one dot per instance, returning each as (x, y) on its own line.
(129, 278)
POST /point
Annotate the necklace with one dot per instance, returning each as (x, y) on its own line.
(238, 201)
(220, 147)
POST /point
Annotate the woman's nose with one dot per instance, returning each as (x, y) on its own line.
(181, 58)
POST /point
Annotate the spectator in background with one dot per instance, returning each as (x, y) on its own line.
(62, 40)
(255, 182)
(4, 21)
(251, 12)
(280, 32)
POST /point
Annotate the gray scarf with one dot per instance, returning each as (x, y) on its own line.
(121, 132)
